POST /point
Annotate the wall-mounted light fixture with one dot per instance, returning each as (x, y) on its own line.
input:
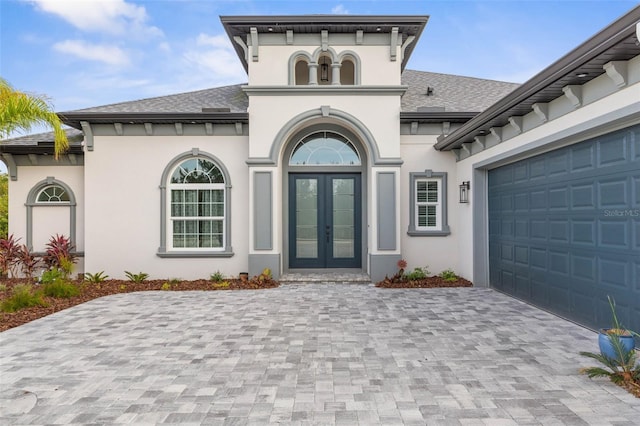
(464, 191)
(324, 69)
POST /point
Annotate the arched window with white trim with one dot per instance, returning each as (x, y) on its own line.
(195, 211)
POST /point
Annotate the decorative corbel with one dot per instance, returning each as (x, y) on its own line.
(393, 47)
(73, 159)
(88, 134)
(406, 44)
(324, 37)
(457, 153)
(254, 44)
(238, 128)
(243, 45)
(617, 72)
(541, 110)
(480, 140)
(12, 167)
(359, 37)
(325, 110)
(466, 147)
(497, 133)
(516, 123)
(414, 127)
(574, 94)
(289, 36)
(33, 159)
(119, 128)
(208, 128)
(179, 130)
(148, 128)
(446, 127)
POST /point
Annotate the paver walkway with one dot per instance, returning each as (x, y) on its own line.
(305, 354)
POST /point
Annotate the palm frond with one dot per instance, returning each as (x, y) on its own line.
(21, 111)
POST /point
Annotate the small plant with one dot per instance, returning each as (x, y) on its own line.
(96, 278)
(136, 278)
(60, 288)
(448, 275)
(223, 284)
(28, 261)
(9, 254)
(22, 297)
(3, 287)
(123, 287)
(51, 275)
(417, 274)
(217, 277)
(402, 264)
(60, 253)
(265, 275)
(165, 286)
(174, 281)
(624, 369)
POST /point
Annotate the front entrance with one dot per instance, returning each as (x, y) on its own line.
(325, 220)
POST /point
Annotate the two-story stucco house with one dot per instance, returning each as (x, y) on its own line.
(334, 156)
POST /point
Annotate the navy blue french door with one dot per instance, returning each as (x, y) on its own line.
(324, 220)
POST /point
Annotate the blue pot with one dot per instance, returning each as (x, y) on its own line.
(606, 347)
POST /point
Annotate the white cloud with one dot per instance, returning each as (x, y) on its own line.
(216, 56)
(340, 10)
(110, 55)
(105, 16)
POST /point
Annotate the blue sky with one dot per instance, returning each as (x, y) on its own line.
(94, 52)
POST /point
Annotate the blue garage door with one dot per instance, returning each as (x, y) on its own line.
(564, 229)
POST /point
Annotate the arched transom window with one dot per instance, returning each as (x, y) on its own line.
(324, 148)
(197, 218)
(53, 194)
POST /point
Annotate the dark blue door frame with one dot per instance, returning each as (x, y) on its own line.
(324, 224)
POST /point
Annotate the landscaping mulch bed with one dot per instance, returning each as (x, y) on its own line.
(90, 291)
(429, 282)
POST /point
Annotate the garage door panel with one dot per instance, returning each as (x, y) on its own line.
(583, 232)
(583, 267)
(612, 193)
(583, 196)
(558, 163)
(613, 272)
(612, 150)
(583, 157)
(564, 228)
(614, 233)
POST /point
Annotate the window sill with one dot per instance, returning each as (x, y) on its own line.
(440, 233)
(193, 254)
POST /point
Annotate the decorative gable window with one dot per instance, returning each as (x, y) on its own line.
(428, 204)
(195, 208)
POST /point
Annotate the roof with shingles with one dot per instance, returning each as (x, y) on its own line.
(454, 93)
(74, 136)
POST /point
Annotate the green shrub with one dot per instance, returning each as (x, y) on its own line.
(448, 275)
(22, 297)
(60, 289)
(51, 275)
(174, 281)
(165, 286)
(217, 277)
(417, 274)
(136, 278)
(98, 277)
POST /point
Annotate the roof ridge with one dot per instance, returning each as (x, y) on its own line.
(461, 76)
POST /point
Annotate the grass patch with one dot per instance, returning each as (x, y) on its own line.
(22, 297)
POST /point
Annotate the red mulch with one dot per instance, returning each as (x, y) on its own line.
(90, 291)
(429, 282)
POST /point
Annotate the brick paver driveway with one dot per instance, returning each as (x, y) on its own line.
(305, 354)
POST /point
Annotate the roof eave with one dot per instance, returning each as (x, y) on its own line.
(613, 34)
(316, 23)
(74, 119)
